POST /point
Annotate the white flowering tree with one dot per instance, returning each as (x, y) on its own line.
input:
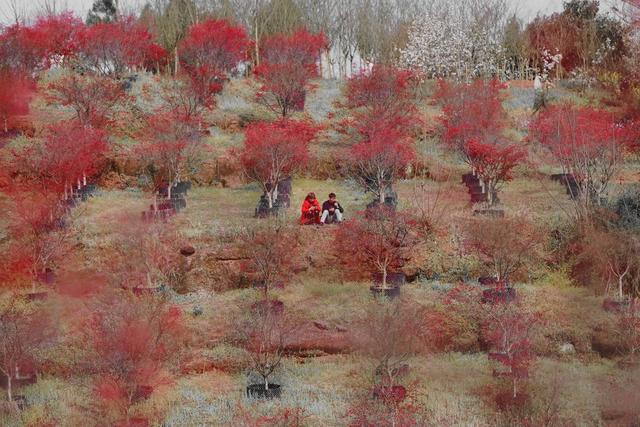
(439, 48)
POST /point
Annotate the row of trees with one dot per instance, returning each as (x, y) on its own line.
(465, 40)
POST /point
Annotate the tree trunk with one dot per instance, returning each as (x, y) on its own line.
(175, 60)
(9, 388)
(266, 383)
(515, 388)
(6, 126)
(257, 47)
(270, 198)
(384, 278)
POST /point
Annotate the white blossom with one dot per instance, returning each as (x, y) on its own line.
(451, 49)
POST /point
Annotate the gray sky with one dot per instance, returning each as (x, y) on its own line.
(526, 9)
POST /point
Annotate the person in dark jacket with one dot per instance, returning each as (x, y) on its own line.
(331, 210)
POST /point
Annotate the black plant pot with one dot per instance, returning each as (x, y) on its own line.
(390, 292)
(475, 188)
(393, 279)
(258, 391)
(187, 251)
(470, 179)
(20, 401)
(491, 213)
(47, 276)
(615, 305)
(499, 295)
(488, 280)
(265, 211)
(37, 296)
(390, 394)
(273, 306)
(478, 197)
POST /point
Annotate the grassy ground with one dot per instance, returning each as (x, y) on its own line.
(453, 387)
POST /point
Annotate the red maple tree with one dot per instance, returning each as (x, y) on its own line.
(588, 143)
(131, 340)
(378, 243)
(288, 63)
(39, 241)
(172, 147)
(557, 33)
(382, 95)
(58, 37)
(72, 154)
(504, 244)
(214, 46)
(111, 48)
(274, 150)
(23, 332)
(378, 160)
(93, 98)
(509, 329)
(272, 256)
(210, 50)
(494, 164)
(471, 112)
(20, 51)
(16, 92)
(68, 155)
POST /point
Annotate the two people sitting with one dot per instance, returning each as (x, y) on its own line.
(312, 213)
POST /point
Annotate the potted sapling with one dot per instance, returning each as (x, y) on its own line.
(264, 334)
(381, 243)
(272, 257)
(388, 339)
(505, 245)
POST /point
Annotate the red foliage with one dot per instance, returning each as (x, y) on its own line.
(378, 161)
(210, 50)
(494, 163)
(383, 95)
(214, 47)
(72, 153)
(504, 244)
(368, 412)
(16, 93)
(113, 47)
(170, 143)
(58, 37)
(22, 334)
(570, 131)
(273, 256)
(590, 144)
(51, 39)
(92, 98)
(273, 151)
(131, 342)
(378, 242)
(471, 112)
(156, 58)
(509, 330)
(19, 49)
(288, 63)
(69, 153)
(38, 240)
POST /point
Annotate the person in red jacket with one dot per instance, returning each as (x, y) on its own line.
(310, 210)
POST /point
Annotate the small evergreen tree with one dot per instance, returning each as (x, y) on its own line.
(103, 11)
